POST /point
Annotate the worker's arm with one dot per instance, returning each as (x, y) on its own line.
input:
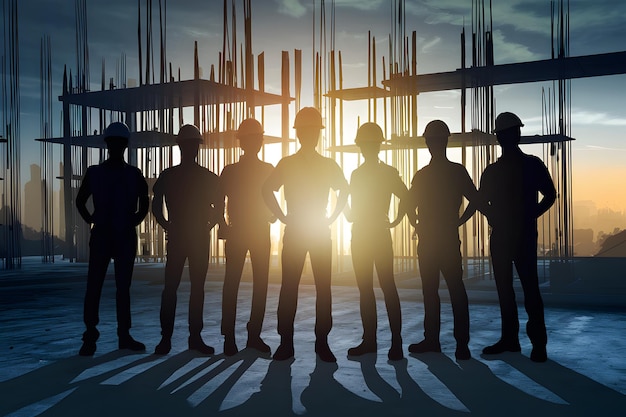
(400, 191)
(547, 190)
(84, 192)
(272, 184)
(471, 194)
(339, 185)
(158, 202)
(340, 204)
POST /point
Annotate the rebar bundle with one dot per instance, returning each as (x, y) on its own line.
(46, 152)
(10, 205)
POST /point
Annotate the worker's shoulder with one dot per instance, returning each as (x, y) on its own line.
(533, 160)
(207, 173)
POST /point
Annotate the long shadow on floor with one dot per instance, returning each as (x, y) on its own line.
(585, 395)
(52, 380)
(484, 393)
(119, 384)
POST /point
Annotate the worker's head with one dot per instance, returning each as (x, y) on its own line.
(369, 138)
(508, 129)
(189, 139)
(436, 135)
(250, 135)
(116, 137)
(308, 124)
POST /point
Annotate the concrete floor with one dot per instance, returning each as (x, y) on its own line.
(41, 374)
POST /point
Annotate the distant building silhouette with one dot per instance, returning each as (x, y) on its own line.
(33, 199)
(584, 245)
(613, 245)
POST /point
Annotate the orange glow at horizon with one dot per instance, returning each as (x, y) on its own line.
(602, 185)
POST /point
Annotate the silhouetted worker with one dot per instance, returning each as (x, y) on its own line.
(371, 188)
(307, 178)
(120, 200)
(248, 229)
(437, 190)
(509, 198)
(194, 205)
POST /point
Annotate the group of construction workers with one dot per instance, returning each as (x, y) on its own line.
(189, 200)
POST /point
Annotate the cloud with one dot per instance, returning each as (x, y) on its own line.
(518, 28)
(440, 11)
(359, 36)
(355, 65)
(522, 15)
(293, 8)
(507, 51)
(582, 117)
(431, 44)
(30, 87)
(598, 13)
(526, 15)
(199, 33)
(366, 5)
(600, 148)
(446, 95)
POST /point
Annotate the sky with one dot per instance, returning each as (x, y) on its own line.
(521, 31)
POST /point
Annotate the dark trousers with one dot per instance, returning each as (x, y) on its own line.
(372, 248)
(296, 244)
(239, 242)
(523, 254)
(104, 245)
(443, 256)
(180, 247)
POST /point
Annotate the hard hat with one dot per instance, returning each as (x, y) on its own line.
(249, 127)
(308, 117)
(369, 133)
(507, 120)
(116, 130)
(437, 129)
(189, 133)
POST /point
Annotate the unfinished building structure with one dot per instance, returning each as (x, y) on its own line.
(394, 105)
(157, 106)
(10, 183)
(154, 111)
